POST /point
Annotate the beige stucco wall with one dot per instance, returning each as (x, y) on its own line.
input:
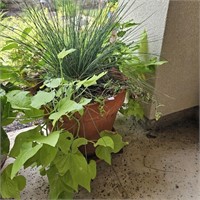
(151, 16)
(173, 30)
(177, 83)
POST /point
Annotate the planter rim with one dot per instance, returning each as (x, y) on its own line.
(107, 99)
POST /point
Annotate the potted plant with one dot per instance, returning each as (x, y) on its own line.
(74, 69)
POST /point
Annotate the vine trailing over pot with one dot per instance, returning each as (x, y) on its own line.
(64, 63)
(65, 163)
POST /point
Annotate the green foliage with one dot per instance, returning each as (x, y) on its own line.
(42, 98)
(104, 153)
(64, 165)
(9, 46)
(5, 145)
(117, 140)
(7, 113)
(17, 64)
(78, 47)
(53, 83)
(144, 50)
(58, 188)
(67, 63)
(7, 117)
(91, 81)
(77, 143)
(64, 53)
(19, 99)
(8, 73)
(10, 188)
(43, 152)
(33, 135)
(57, 38)
(66, 105)
(2, 5)
(133, 108)
(108, 143)
(27, 151)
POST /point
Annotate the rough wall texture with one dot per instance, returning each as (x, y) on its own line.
(151, 14)
(177, 83)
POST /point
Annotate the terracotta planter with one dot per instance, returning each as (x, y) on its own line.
(93, 121)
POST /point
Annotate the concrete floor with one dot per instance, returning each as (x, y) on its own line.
(162, 168)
